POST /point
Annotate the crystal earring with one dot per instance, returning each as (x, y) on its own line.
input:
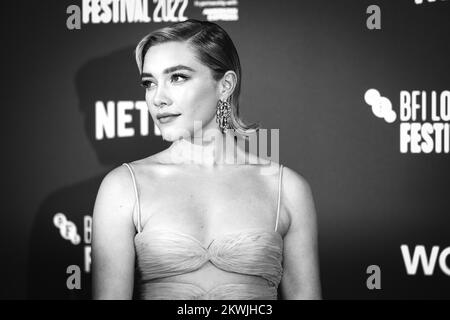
(223, 115)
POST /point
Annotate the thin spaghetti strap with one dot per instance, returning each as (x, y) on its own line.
(279, 197)
(136, 194)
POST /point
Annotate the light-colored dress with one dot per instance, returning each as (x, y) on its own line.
(164, 253)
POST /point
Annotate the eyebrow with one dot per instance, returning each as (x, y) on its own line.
(168, 70)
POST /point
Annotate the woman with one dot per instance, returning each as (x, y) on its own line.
(195, 221)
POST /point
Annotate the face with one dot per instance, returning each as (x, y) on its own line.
(177, 83)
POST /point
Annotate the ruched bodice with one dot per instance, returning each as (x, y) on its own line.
(163, 253)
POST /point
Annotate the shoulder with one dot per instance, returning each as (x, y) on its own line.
(116, 189)
(294, 183)
(297, 196)
(118, 178)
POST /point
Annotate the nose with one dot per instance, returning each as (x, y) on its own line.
(161, 97)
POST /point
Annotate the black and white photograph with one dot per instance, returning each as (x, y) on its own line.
(237, 150)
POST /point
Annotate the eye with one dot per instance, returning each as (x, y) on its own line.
(178, 76)
(147, 84)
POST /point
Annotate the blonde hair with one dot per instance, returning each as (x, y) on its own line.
(214, 49)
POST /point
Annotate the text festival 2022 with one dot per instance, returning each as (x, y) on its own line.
(125, 11)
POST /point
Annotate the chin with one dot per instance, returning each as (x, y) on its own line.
(174, 134)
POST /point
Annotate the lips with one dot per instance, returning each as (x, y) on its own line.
(164, 115)
(167, 118)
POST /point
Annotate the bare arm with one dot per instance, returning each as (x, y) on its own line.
(113, 237)
(300, 265)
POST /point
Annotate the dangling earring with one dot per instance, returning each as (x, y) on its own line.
(223, 115)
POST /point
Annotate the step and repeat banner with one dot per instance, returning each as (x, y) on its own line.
(357, 94)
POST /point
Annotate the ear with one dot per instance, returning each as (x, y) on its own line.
(227, 84)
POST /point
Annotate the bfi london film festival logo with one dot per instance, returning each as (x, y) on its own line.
(429, 135)
(68, 231)
(424, 119)
(146, 11)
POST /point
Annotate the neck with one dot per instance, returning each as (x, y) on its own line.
(208, 150)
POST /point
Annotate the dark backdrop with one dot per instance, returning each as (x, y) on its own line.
(306, 66)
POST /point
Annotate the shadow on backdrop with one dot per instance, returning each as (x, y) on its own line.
(110, 78)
